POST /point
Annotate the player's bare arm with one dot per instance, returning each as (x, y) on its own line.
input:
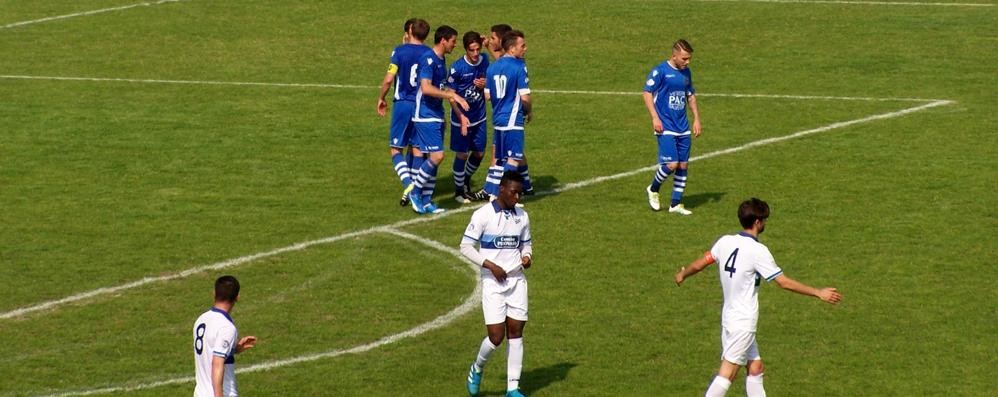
(429, 89)
(526, 261)
(829, 295)
(694, 267)
(692, 101)
(465, 122)
(386, 84)
(245, 343)
(528, 108)
(217, 374)
(497, 271)
(656, 123)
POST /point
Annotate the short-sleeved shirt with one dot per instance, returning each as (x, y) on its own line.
(742, 261)
(462, 80)
(403, 66)
(670, 88)
(430, 67)
(501, 236)
(215, 335)
(506, 81)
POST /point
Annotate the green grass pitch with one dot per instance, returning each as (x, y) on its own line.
(153, 167)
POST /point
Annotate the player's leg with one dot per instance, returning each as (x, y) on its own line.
(516, 320)
(666, 164)
(515, 160)
(479, 138)
(496, 169)
(494, 310)
(428, 143)
(679, 180)
(735, 346)
(399, 135)
(753, 379)
(459, 144)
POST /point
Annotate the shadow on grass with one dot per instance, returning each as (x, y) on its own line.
(536, 379)
(696, 200)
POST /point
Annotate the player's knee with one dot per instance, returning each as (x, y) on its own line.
(672, 166)
(437, 157)
(683, 166)
(495, 339)
(755, 368)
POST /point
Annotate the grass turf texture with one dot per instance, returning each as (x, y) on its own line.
(108, 182)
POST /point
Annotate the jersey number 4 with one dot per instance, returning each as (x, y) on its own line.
(729, 265)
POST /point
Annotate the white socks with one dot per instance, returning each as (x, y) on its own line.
(483, 354)
(753, 386)
(718, 387)
(514, 364)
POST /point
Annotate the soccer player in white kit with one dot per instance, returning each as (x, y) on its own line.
(502, 231)
(746, 262)
(215, 344)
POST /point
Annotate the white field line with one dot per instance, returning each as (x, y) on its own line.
(541, 91)
(762, 142)
(871, 3)
(85, 13)
(465, 307)
(570, 186)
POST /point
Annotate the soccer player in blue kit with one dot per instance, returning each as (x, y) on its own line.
(668, 92)
(507, 88)
(431, 72)
(401, 71)
(467, 78)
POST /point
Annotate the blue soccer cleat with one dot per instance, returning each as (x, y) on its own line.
(514, 393)
(430, 207)
(416, 202)
(474, 380)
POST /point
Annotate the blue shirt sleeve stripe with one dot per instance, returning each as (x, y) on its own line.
(770, 278)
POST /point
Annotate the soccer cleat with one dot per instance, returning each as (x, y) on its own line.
(405, 195)
(474, 381)
(431, 208)
(680, 209)
(514, 393)
(480, 195)
(462, 197)
(653, 199)
(416, 202)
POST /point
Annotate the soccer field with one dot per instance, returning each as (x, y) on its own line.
(147, 148)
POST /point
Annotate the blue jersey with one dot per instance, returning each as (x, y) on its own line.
(403, 65)
(669, 88)
(433, 68)
(462, 80)
(506, 81)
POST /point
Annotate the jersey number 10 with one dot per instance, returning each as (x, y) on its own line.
(500, 81)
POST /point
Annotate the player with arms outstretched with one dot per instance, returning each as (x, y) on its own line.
(746, 262)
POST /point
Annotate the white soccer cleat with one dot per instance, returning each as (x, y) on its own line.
(680, 209)
(653, 199)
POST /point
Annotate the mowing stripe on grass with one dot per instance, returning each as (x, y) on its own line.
(85, 13)
(870, 3)
(541, 90)
(465, 307)
(327, 240)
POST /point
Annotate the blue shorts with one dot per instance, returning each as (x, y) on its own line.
(673, 148)
(509, 145)
(401, 131)
(473, 142)
(429, 136)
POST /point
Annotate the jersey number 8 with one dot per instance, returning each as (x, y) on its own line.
(199, 338)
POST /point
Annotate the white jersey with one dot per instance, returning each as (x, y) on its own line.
(503, 237)
(215, 335)
(741, 261)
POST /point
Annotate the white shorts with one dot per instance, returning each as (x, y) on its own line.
(501, 300)
(738, 347)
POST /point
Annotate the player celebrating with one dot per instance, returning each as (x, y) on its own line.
(507, 87)
(746, 260)
(401, 71)
(431, 72)
(215, 344)
(467, 77)
(502, 231)
(668, 89)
